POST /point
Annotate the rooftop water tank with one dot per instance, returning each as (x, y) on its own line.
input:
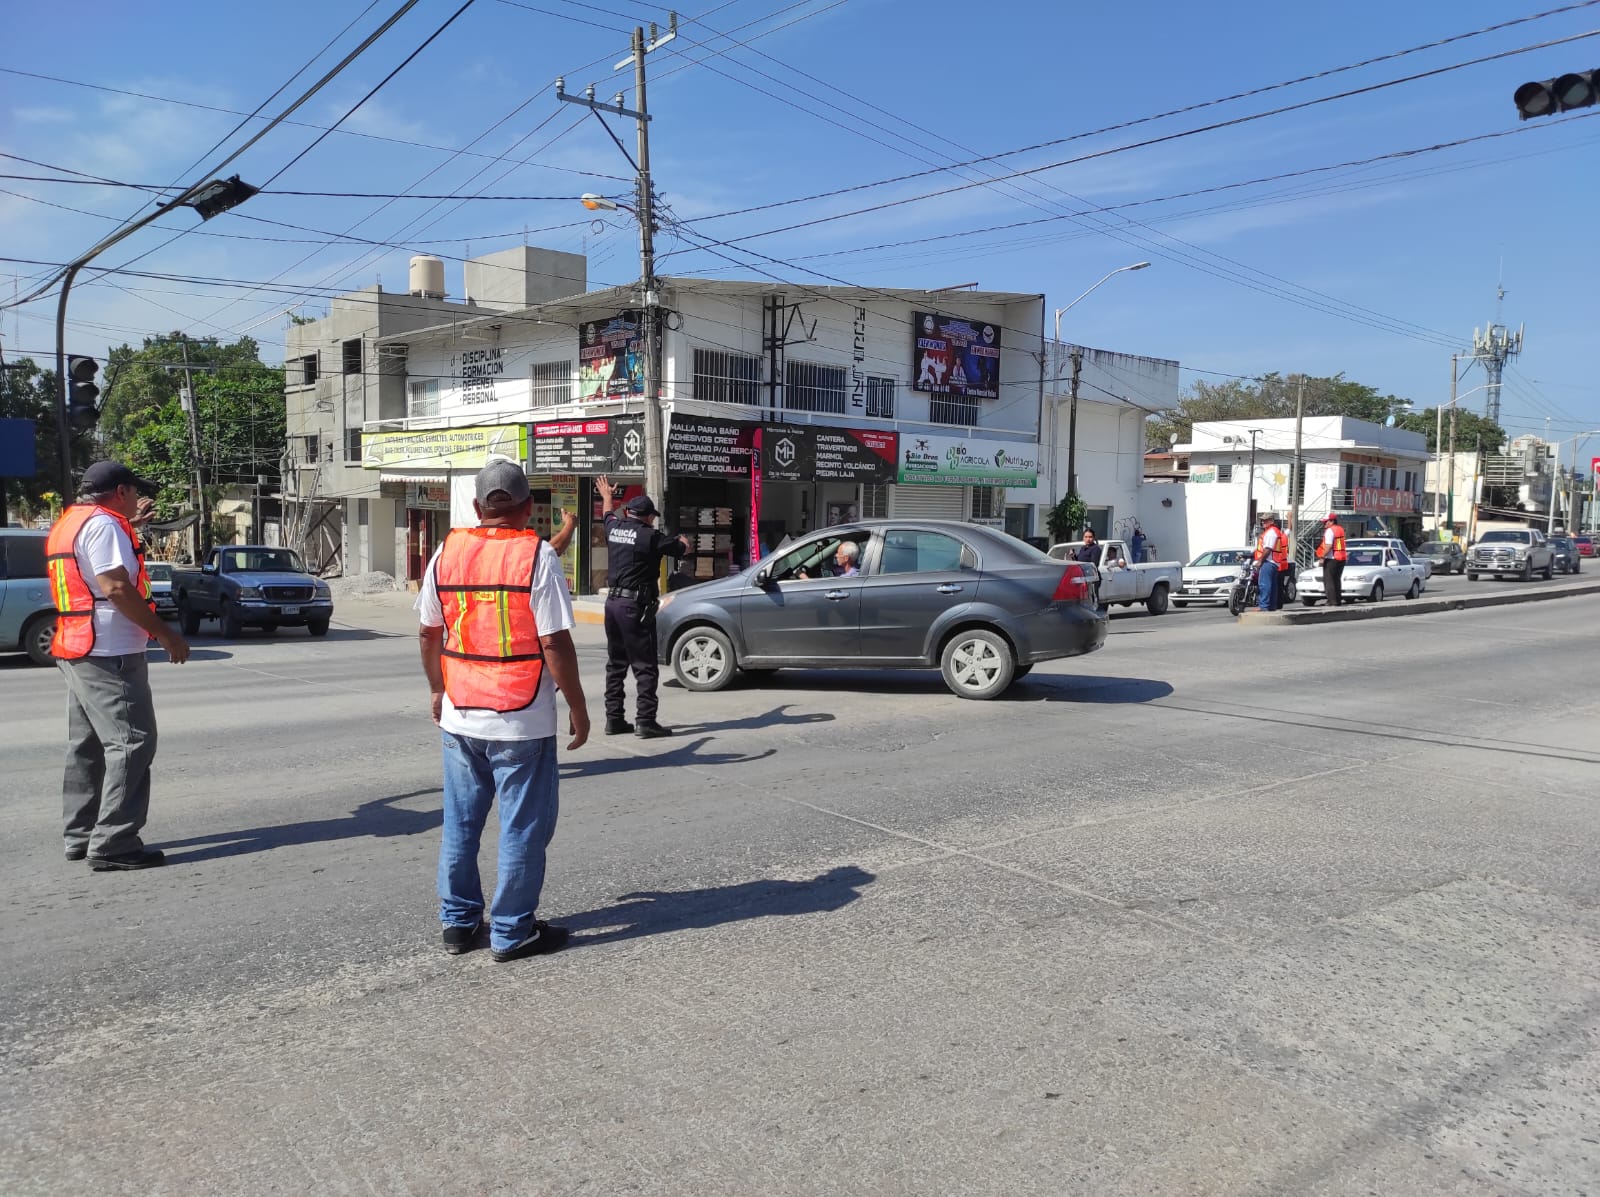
(427, 276)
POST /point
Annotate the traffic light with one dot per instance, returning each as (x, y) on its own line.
(82, 393)
(1577, 90)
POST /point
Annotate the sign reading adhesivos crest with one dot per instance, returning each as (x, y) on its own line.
(966, 461)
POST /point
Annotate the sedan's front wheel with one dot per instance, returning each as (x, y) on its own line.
(977, 664)
(703, 660)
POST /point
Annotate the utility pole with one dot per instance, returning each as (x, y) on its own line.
(1250, 491)
(655, 461)
(191, 408)
(1295, 486)
(1072, 422)
(1450, 495)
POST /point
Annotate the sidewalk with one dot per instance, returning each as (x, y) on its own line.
(1490, 597)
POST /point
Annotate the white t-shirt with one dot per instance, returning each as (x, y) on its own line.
(103, 546)
(552, 611)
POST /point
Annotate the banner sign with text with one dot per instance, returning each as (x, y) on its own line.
(951, 356)
(444, 448)
(704, 447)
(610, 358)
(967, 461)
(817, 453)
(610, 445)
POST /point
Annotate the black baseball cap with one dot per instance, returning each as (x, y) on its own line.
(641, 505)
(502, 476)
(105, 476)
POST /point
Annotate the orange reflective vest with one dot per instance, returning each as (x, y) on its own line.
(492, 659)
(75, 602)
(1279, 552)
(1332, 546)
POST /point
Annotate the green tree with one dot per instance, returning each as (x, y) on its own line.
(29, 392)
(1472, 430)
(1270, 398)
(145, 378)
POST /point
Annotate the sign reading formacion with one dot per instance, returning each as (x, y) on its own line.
(444, 448)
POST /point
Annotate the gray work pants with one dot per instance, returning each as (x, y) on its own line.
(111, 742)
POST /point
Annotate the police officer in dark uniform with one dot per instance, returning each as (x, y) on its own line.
(634, 551)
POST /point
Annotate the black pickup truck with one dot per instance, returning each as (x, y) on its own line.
(252, 585)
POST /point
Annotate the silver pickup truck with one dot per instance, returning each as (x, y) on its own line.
(1152, 583)
(1520, 552)
(252, 585)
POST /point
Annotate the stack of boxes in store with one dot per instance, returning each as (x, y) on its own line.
(710, 533)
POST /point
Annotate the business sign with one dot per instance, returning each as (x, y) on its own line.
(952, 356)
(611, 445)
(479, 370)
(958, 461)
(702, 447)
(1594, 467)
(1203, 473)
(444, 448)
(611, 358)
(17, 458)
(428, 496)
(1371, 498)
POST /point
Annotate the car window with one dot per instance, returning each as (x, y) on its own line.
(1365, 556)
(1505, 538)
(159, 571)
(909, 552)
(22, 557)
(815, 559)
(1401, 557)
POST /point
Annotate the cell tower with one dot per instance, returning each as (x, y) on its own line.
(1494, 346)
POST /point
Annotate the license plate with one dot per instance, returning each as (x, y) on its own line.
(288, 610)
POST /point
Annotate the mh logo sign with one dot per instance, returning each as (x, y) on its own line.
(784, 452)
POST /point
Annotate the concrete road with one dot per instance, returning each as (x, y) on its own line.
(1300, 910)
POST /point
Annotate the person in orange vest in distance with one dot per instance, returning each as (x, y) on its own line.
(1272, 551)
(105, 619)
(496, 617)
(1332, 552)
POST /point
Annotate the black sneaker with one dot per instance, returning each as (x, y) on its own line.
(544, 939)
(144, 858)
(461, 939)
(77, 851)
(649, 729)
(618, 727)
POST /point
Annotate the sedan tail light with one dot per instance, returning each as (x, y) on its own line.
(1073, 587)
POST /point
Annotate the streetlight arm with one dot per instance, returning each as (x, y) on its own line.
(1063, 311)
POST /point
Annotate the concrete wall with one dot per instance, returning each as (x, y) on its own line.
(523, 276)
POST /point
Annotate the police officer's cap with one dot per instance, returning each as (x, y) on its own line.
(641, 505)
(502, 482)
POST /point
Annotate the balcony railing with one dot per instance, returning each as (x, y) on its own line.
(1372, 500)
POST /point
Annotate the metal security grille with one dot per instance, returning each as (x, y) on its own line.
(880, 397)
(929, 502)
(721, 377)
(810, 386)
(423, 398)
(988, 502)
(874, 501)
(949, 409)
(552, 384)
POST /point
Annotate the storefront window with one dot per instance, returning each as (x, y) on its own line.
(811, 386)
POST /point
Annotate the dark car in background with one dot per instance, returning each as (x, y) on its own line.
(977, 604)
(1568, 560)
(1447, 556)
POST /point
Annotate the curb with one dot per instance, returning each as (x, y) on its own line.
(1390, 609)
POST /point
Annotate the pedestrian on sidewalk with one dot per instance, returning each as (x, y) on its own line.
(635, 548)
(1333, 554)
(1272, 552)
(495, 617)
(105, 618)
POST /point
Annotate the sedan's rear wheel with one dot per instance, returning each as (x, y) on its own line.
(37, 637)
(703, 659)
(977, 664)
(1377, 591)
(1416, 589)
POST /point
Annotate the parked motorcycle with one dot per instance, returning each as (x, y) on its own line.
(1246, 592)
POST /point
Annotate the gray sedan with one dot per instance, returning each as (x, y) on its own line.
(980, 606)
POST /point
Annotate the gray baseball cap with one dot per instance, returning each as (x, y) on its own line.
(502, 477)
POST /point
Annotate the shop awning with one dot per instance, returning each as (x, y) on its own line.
(430, 479)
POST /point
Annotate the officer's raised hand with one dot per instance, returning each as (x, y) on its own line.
(607, 491)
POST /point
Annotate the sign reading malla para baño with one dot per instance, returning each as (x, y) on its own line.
(963, 461)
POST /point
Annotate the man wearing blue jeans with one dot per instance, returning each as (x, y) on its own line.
(496, 617)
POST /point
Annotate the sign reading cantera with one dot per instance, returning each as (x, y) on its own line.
(956, 461)
(444, 448)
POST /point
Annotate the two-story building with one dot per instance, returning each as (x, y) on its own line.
(1372, 475)
(786, 407)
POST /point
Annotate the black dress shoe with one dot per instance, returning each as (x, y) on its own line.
(618, 727)
(144, 858)
(649, 729)
(77, 851)
(543, 940)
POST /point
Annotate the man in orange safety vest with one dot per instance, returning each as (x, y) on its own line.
(1332, 552)
(1272, 551)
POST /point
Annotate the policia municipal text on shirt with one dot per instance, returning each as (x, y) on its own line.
(635, 549)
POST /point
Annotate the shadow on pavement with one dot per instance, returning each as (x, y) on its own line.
(258, 636)
(688, 754)
(777, 717)
(653, 912)
(157, 656)
(1066, 687)
(1036, 687)
(377, 818)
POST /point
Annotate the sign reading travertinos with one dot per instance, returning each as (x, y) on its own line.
(444, 448)
(957, 461)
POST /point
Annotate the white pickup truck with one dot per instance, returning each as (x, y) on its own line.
(1152, 583)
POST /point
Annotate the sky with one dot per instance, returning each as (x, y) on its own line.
(1378, 270)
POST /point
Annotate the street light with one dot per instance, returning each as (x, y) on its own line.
(1055, 405)
(1438, 443)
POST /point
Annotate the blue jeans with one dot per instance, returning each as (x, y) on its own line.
(1268, 582)
(522, 773)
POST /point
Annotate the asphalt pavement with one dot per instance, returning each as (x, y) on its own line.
(1298, 910)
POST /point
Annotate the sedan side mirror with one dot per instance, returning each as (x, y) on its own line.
(762, 578)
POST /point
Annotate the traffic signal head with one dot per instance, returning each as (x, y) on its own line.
(1579, 89)
(82, 410)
